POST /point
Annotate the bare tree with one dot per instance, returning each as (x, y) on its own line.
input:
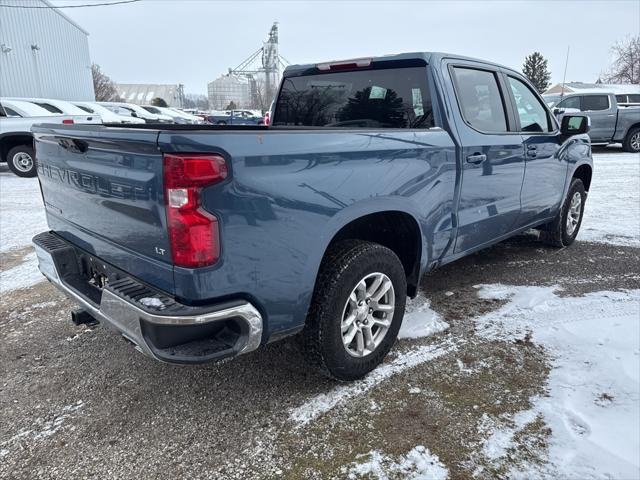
(626, 62)
(104, 87)
(196, 100)
(159, 102)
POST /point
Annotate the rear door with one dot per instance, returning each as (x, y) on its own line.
(492, 160)
(103, 191)
(545, 172)
(603, 114)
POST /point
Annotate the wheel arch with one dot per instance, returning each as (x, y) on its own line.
(584, 172)
(395, 228)
(13, 139)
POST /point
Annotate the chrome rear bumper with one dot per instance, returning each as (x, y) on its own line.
(213, 333)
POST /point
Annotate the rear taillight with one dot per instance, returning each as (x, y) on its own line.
(194, 235)
(267, 118)
(68, 121)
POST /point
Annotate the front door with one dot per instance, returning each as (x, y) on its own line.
(492, 159)
(545, 172)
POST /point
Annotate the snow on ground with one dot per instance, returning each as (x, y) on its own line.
(21, 217)
(419, 320)
(593, 401)
(320, 404)
(21, 211)
(22, 275)
(418, 464)
(41, 429)
(612, 212)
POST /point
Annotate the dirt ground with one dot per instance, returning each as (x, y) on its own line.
(79, 402)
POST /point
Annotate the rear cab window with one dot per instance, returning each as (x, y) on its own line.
(595, 102)
(480, 100)
(371, 98)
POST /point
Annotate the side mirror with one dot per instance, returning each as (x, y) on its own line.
(558, 111)
(575, 125)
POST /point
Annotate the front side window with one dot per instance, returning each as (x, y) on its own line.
(533, 116)
(571, 102)
(595, 102)
(480, 99)
(374, 98)
(633, 98)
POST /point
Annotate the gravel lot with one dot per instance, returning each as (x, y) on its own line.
(475, 399)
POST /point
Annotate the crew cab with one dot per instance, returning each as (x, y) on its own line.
(199, 243)
(16, 140)
(610, 123)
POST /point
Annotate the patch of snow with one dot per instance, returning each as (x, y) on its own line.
(593, 400)
(152, 302)
(420, 320)
(612, 211)
(418, 464)
(324, 402)
(414, 390)
(21, 211)
(23, 275)
(42, 429)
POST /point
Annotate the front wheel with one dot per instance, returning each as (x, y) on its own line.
(22, 161)
(632, 141)
(563, 230)
(356, 310)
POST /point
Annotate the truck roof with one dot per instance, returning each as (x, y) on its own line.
(428, 57)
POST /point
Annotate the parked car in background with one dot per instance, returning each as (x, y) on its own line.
(210, 241)
(176, 115)
(108, 116)
(138, 111)
(609, 122)
(16, 140)
(61, 107)
(235, 117)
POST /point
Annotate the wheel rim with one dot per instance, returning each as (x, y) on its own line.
(23, 162)
(367, 315)
(575, 209)
(635, 141)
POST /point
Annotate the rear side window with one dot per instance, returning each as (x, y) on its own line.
(378, 98)
(480, 99)
(49, 107)
(532, 114)
(571, 102)
(595, 102)
(633, 98)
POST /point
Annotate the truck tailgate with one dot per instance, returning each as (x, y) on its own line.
(103, 191)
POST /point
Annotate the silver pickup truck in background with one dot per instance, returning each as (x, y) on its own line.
(610, 123)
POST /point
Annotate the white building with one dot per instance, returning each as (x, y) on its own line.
(43, 53)
(227, 89)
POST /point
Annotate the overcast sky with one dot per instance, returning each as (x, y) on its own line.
(195, 41)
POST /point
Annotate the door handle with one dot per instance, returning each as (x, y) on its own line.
(476, 158)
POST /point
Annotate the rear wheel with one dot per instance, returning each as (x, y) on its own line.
(221, 122)
(632, 141)
(563, 230)
(22, 161)
(356, 310)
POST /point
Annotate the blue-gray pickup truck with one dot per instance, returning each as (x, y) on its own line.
(203, 242)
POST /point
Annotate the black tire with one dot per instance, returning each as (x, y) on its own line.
(343, 267)
(632, 141)
(17, 164)
(556, 233)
